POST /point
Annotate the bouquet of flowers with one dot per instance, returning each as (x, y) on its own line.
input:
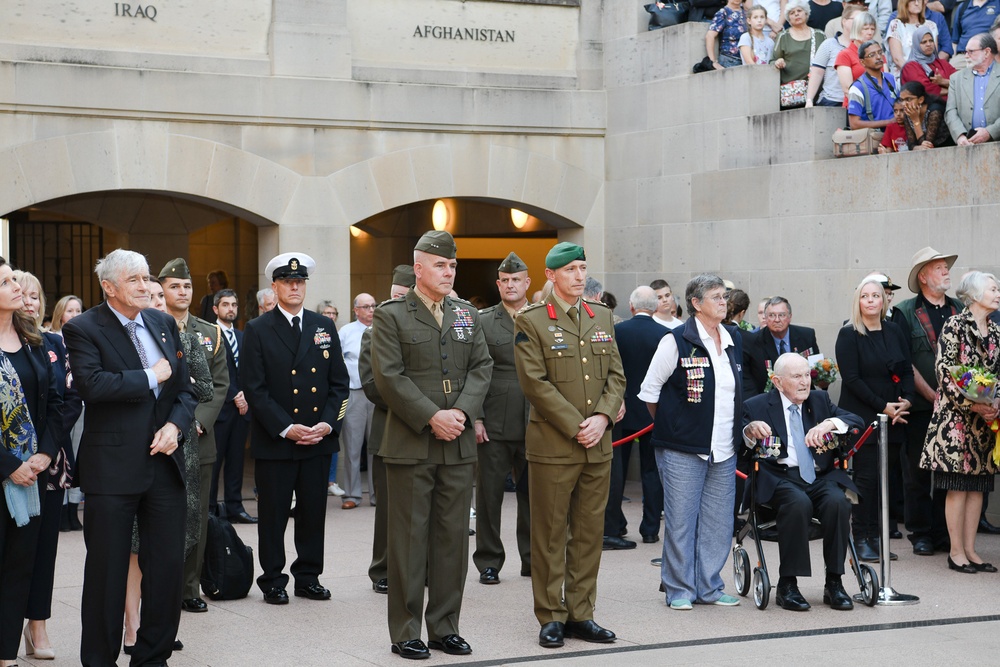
(976, 384)
(824, 372)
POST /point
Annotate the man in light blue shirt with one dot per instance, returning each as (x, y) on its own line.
(358, 418)
(973, 110)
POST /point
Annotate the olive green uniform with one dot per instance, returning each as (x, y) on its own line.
(377, 568)
(419, 368)
(505, 413)
(568, 372)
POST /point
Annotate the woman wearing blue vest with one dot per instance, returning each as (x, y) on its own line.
(695, 395)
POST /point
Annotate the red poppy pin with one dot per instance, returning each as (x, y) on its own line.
(895, 378)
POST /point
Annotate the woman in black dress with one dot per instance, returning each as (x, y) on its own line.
(874, 359)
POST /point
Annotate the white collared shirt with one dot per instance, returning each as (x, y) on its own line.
(289, 316)
(149, 346)
(350, 345)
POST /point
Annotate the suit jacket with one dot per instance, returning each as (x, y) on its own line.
(505, 410)
(210, 338)
(759, 349)
(48, 416)
(817, 408)
(292, 380)
(567, 377)
(122, 413)
(961, 95)
(229, 410)
(420, 368)
(637, 341)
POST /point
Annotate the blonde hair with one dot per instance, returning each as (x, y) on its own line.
(28, 281)
(856, 320)
(59, 310)
(24, 325)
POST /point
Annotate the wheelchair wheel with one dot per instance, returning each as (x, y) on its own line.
(761, 588)
(869, 585)
(741, 570)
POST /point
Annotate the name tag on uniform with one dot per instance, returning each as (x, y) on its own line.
(322, 339)
(560, 347)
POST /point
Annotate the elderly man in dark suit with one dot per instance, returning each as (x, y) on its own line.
(128, 366)
(432, 368)
(777, 337)
(637, 340)
(500, 431)
(296, 383)
(801, 481)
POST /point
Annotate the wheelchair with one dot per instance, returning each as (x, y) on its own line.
(761, 526)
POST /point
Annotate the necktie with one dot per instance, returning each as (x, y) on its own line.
(437, 313)
(295, 325)
(806, 468)
(782, 348)
(233, 346)
(130, 327)
(573, 312)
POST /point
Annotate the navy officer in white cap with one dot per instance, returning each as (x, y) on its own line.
(297, 386)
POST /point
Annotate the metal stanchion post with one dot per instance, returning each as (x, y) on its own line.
(886, 594)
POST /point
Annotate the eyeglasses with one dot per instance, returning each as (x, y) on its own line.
(368, 307)
(875, 54)
(778, 316)
(967, 50)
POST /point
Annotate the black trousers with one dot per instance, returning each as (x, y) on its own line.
(230, 444)
(496, 459)
(276, 479)
(17, 558)
(107, 531)
(652, 487)
(796, 503)
(924, 513)
(43, 576)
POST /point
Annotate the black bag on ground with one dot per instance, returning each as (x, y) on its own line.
(672, 13)
(227, 573)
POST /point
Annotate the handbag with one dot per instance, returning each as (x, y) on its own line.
(793, 93)
(672, 13)
(848, 143)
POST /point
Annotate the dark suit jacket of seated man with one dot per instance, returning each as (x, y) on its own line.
(780, 482)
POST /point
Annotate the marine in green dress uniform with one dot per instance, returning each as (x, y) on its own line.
(500, 432)
(432, 368)
(570, 370)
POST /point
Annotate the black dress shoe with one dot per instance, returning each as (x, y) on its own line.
(866, 552)
(983, 567)
(525, 570)
(490, 575)
(450, 644)
(313, 591)
(895, 535)
(988, 528)
(835, 596)
(551, 635)
(381, 586)
(276, 596)
(788, 597)
(178, 645)
(650, 539)
(194, 605)
(243, 517)
(876, 543)
(967, 568)
(589, 631)
(612, 543)
(922, 546)
(411, 649)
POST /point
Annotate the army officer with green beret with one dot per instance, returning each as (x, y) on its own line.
(432, 368)
(570, 370)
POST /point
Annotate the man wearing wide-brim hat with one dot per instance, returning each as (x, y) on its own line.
(925, 315)
(296, 383)
(432, 368)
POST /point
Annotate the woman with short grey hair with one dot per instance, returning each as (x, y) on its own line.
(794, 49)
(694, 391)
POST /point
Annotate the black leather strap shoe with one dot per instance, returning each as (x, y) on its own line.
(243, 517)
(612, 543)
(589, 631)
(835, 596)
(490, 575)
(276, 596)
(313, 591)
(194, 605)
(551, 635)
(788, 597)
(381, 586)
(450, 644)
(650, 539)
(988, 528)
(411, 649)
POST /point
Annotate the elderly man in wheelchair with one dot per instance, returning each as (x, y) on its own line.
(793, 429)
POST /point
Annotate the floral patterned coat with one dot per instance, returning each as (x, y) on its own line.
(958, 439)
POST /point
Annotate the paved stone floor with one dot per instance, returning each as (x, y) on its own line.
(956, 618)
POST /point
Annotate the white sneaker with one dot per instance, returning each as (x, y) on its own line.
(334, 490)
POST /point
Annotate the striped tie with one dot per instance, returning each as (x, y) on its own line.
(233, 346)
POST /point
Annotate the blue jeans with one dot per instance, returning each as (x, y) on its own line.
(698, 524)
(333, 468)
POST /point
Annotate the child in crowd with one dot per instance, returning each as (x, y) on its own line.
(756, 46)
(894, 139)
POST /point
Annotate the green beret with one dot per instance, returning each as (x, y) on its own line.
(512, 264)
(175, 268)
(562, 254)
(403, 275)
(437, 243)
